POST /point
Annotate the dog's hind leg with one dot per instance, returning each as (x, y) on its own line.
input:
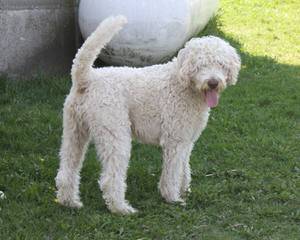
(74, 144)
(113, 143)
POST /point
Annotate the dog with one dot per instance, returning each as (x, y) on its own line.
(166, 104)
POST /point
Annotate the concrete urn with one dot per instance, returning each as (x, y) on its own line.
(156, 30)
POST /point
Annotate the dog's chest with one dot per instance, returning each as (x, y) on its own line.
(185, 117)
(145, 124)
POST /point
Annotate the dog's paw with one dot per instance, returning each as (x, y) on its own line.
(71, 204)
(173, 199)
(179, 201)
(76, 204)
(123, 209)
(171, 195)
(185, 191)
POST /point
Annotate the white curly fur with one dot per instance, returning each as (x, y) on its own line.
(161, 104)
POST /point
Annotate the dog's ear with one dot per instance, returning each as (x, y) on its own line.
(187, 65)
(233, 68)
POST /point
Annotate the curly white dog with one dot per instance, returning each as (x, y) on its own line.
(164, 104)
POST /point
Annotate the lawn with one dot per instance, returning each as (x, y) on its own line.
(246, 165)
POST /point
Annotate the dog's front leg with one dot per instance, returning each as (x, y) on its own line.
(186, 178)
(175, 176)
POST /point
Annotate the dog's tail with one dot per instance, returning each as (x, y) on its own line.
(87, 54)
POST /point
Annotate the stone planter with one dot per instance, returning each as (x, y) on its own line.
(37, 36)
(156, 30)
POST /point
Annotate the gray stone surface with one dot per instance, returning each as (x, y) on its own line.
(37, 36)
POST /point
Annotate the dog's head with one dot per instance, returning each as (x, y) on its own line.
(208, 65)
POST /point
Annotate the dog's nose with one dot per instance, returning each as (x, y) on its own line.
(212, 83)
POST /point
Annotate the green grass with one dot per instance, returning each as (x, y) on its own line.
(246, 165)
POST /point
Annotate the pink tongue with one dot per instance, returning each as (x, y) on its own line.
(211, 98)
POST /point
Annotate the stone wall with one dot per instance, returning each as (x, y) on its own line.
(37, 36)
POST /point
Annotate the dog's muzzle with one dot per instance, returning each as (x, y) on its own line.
(211, 93)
